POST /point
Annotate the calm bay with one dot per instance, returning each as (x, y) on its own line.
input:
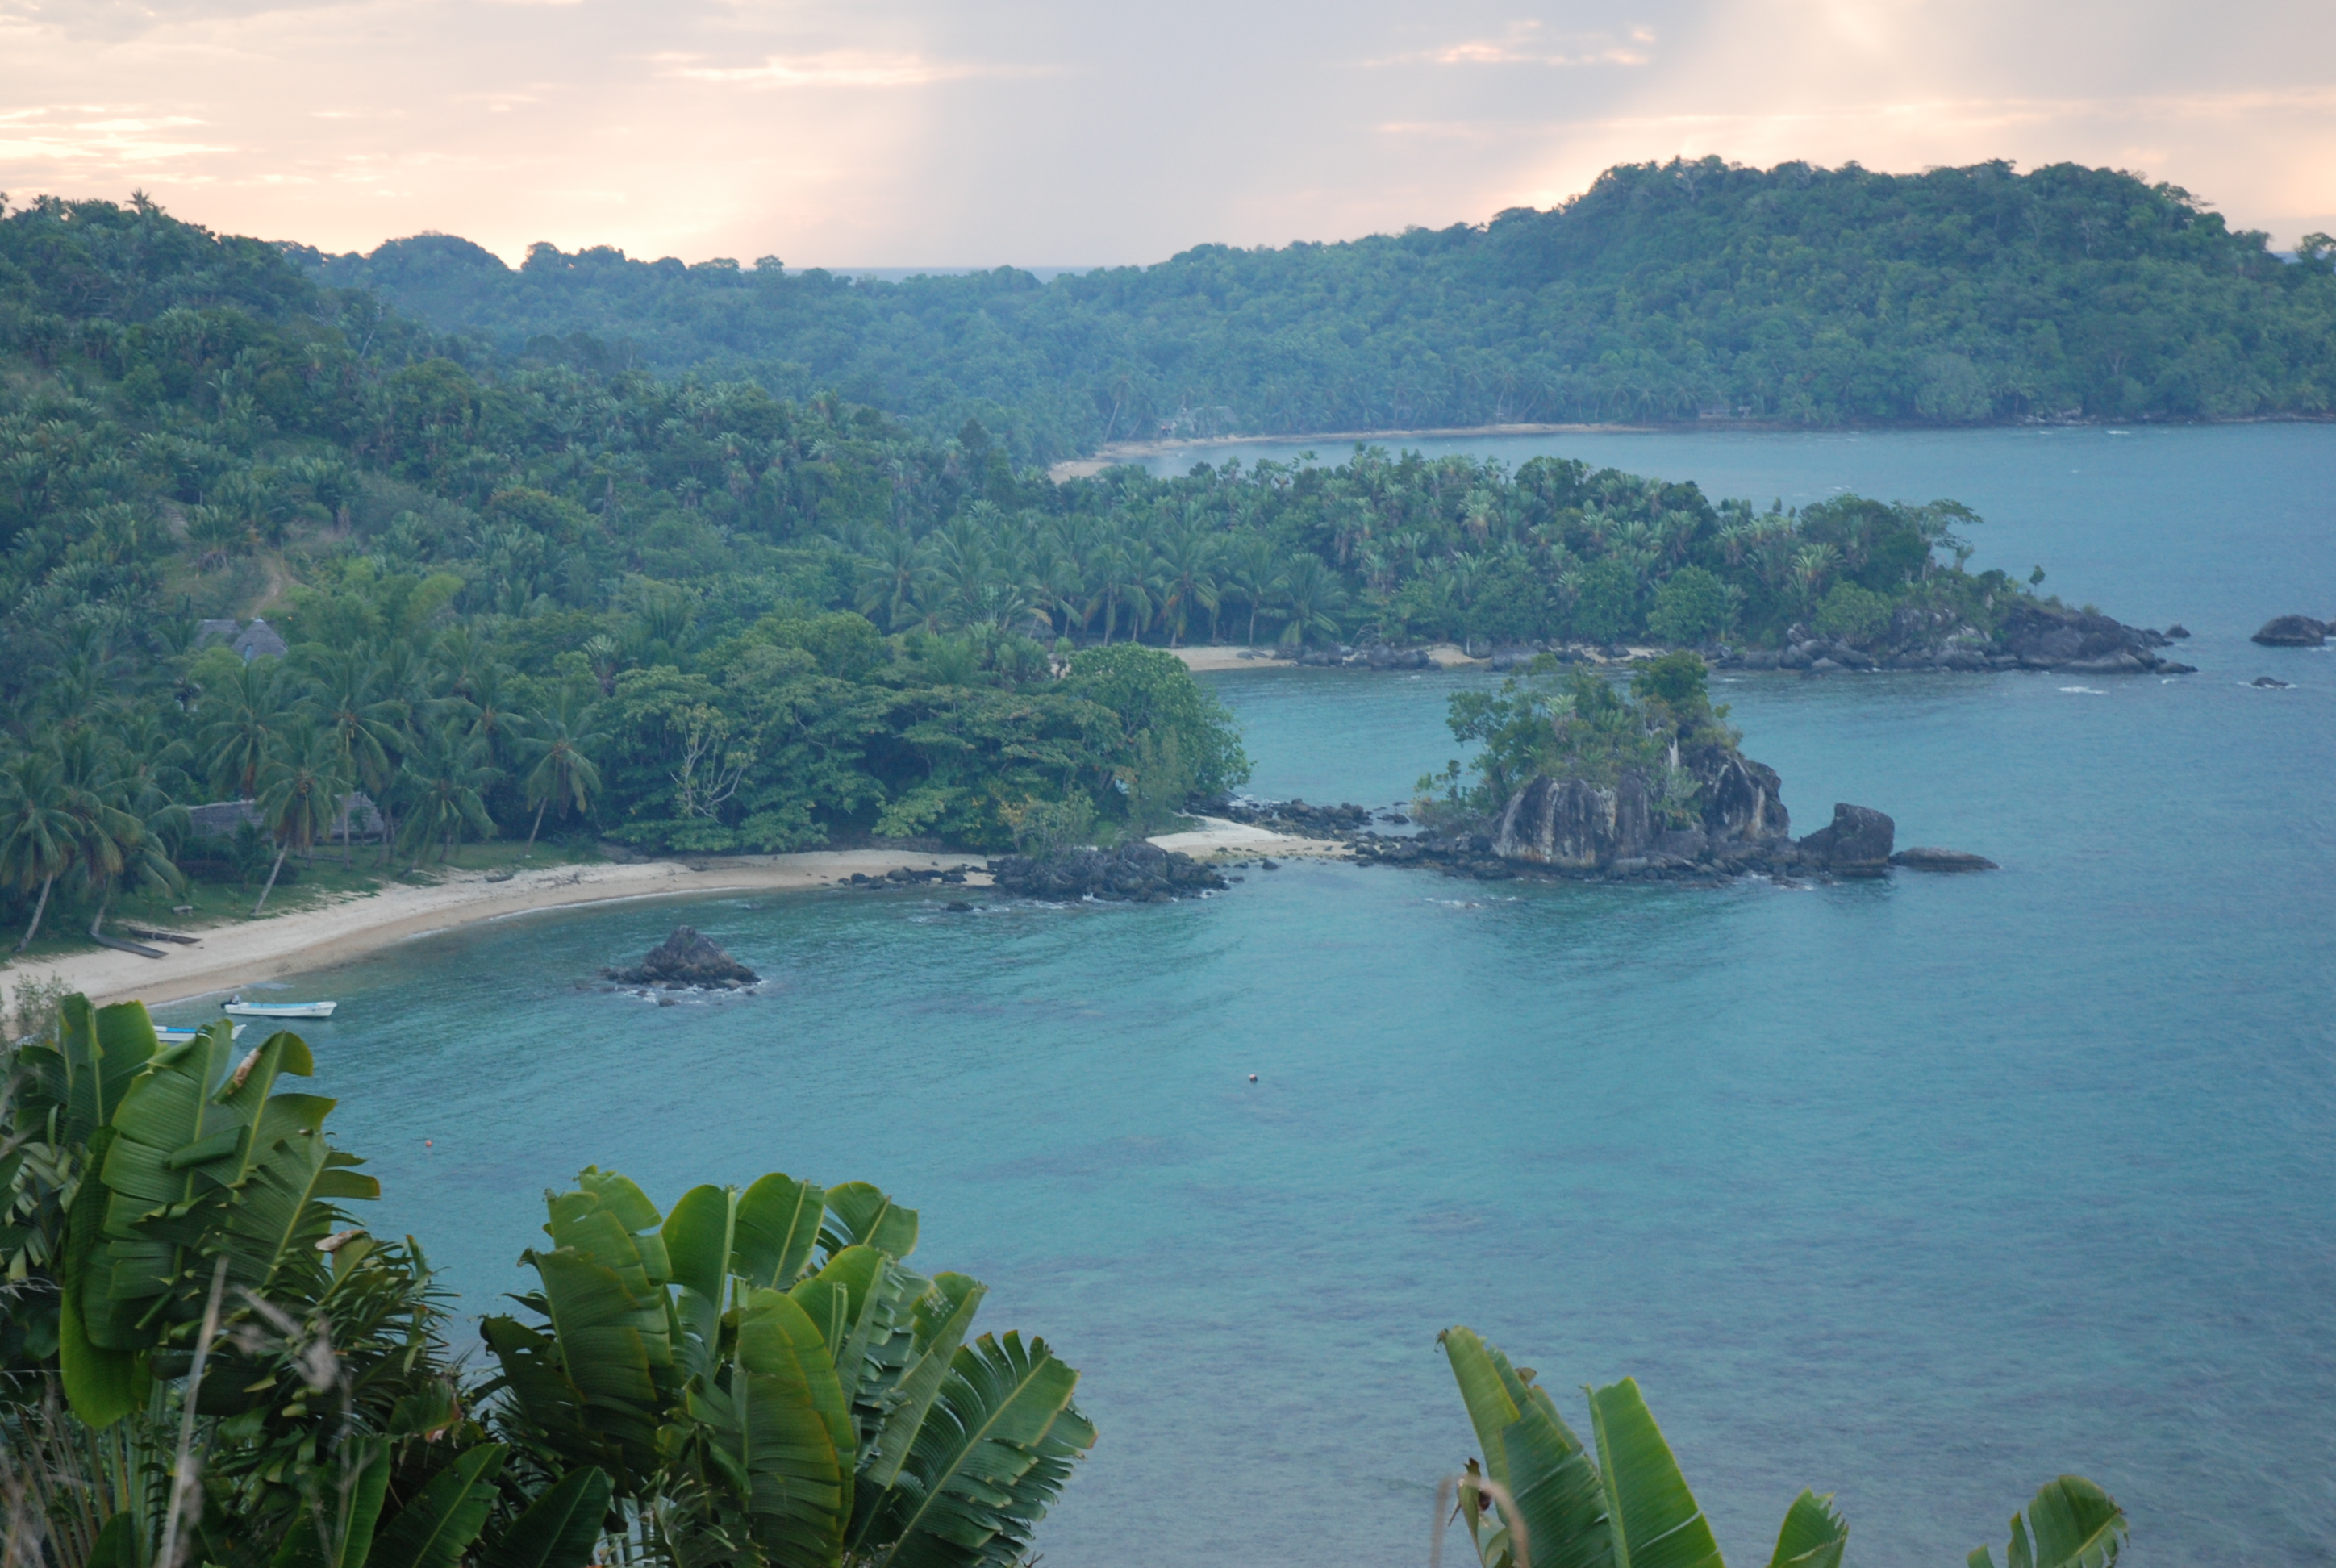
(1917, 1193)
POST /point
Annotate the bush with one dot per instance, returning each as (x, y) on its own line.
(1694, 605)
(1853, 613)
(1608, 609)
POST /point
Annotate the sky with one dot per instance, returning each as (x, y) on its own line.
(939, 132)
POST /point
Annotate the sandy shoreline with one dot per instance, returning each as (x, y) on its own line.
(238, 953)
(1220, 839)
(242, 953)
(1447, 655)
(1118, 452)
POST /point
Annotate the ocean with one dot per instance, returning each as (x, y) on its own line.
(1917, 1193)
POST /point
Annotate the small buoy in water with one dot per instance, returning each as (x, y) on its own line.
(426, 1142)
(1252, 1077)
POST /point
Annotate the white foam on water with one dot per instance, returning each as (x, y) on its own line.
(2085, 690)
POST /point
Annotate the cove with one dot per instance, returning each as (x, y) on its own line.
(1917, 1193)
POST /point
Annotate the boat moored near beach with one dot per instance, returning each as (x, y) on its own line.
(237, 1007)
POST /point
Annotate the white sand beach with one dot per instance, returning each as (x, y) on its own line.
(242, 953)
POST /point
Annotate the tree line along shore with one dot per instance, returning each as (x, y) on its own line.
(271, 545)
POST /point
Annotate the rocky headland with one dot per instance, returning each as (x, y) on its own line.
(2033, 636)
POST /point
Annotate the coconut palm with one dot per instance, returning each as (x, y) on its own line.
(123, 821)
(1252, 573)
(244, 714)
(560, 749)
(39, 835)
(299, 792)
(443, 782)
(345, 694)
(1187, 571)
(1312, 593)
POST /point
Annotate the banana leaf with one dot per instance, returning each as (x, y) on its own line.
(99, 1051)
(956, 1493)
(865, 1217)
(1653, 1516)
(2071, 1524)
(943, 1318)
(444, 1518)
(778, 1224)
(559, 1530)
(778, 1435)
(1814, 1534)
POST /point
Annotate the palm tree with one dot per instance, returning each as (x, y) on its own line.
(444, 779)
(563, 771)
(1188, 574)
(345, 694)
(120, 819)
(495, 717)
(1253, 575)
(1312, 592)
(38, 833)
(245, 714)
(299, 793)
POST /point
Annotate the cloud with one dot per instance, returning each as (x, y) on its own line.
(837, 68)
(853, 133)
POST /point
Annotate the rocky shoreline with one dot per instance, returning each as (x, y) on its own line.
(2033, 636)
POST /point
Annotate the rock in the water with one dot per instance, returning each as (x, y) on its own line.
(1856, 843)
(1927, 858)
(687, 959)
(2269, 683)
(2053, 637)
(2293, 632)
(1133, 871)
(2177, 631)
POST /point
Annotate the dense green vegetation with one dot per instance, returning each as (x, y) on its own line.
(1576, 725)
(524, 598)
(204, 1359)
(1540, 1494)
(1796, 294)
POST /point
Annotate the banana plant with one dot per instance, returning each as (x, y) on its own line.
(2072, 1523)
(1629, 1507)
(767, 1382)
(167, 1179)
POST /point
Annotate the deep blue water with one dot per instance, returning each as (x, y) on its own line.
(1917, 1193)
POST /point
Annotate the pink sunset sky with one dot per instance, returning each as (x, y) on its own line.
(1064, 132)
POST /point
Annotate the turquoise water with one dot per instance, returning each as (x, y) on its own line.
(1917, 1193)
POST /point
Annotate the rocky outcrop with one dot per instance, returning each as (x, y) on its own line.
(686, 959)
(2033, 636)
(1290, 816)
(1574, 826)
(1856, 843)
(2293, 632)
(1134, 873)
(1927, 858)
(1571, 824)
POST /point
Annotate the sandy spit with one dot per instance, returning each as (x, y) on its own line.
(243, 953)
(1219, 839)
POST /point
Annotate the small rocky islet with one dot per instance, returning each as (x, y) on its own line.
(686, 961)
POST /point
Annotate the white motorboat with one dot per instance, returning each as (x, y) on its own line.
(180, 1036)
(240, 1009)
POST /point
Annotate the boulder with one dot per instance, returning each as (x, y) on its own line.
(1742, 798)
(1856, 843)
(2293, 632)
(1572, 824)
(2269, 683)
(2176, 632)
(687, 959)
(1133, 872)
(2054, 637)
(1927, 858)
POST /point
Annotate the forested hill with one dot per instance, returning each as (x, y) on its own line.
(1666, 292)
